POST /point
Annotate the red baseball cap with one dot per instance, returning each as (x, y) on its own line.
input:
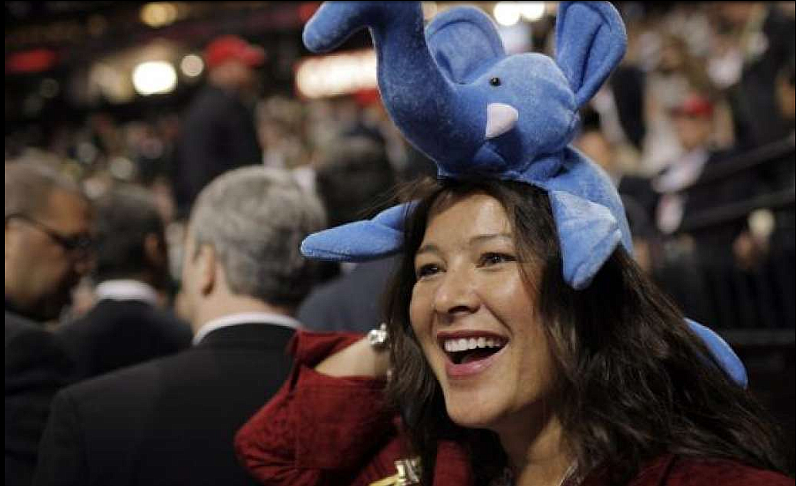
(228, 47)
(695, 106)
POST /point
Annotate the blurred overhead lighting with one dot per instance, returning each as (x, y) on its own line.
(507, 13)
(338, 74)
(430, 9)
(192, 65)
(158, 14)
(32, 61)
(154, 77)
(111, 83)
(532, 11)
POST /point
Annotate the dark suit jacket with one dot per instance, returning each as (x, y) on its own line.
(170, 421)
(218, 134)
(351, 302)
(37, 365)
(118, 333)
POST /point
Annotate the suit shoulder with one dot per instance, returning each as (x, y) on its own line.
(29, 346)
(17, 325)
(125, 383)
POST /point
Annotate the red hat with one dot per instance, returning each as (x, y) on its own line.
(695, 106)
(229, 47)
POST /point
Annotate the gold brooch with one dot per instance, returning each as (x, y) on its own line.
(408, 474)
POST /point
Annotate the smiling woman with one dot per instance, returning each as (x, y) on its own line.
(502, 373)
(609, 378)
(526, 345)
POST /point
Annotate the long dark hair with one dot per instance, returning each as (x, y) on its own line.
(635, 381)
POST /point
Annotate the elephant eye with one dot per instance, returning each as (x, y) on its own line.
(494, 81)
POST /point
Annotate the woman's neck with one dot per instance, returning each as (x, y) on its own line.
(536, 451)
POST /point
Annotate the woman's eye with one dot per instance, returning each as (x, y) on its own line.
(427, 270)
(488, 259)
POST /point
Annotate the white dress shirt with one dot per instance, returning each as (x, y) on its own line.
(245, 318)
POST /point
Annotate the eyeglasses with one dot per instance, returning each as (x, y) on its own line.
(79, 245)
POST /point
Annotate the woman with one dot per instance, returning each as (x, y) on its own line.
(526, 345)
(607, 385)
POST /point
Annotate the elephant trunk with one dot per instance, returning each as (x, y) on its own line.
(424, 104)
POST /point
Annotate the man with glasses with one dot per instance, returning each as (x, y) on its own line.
(47, 251)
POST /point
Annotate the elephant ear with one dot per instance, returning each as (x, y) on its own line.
(590, 42)
(463, 41)
(722, 353)
(360, 241)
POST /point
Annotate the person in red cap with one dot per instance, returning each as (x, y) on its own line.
(691, 211)
(218, 131)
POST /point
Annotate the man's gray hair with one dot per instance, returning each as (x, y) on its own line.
(29, 185)
(255, 218)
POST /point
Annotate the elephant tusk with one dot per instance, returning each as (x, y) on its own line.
(500, 118)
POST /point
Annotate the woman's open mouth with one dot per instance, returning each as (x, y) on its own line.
(471, 353)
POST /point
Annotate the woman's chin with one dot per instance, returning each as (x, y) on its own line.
(471, 417)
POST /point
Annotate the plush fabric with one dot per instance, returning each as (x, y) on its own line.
(477, 112)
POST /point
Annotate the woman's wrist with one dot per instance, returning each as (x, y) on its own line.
(360, 359)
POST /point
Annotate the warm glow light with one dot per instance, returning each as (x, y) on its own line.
(192, 65)
(507, 13)
(430, 9)
(113, 85)
(532, 11)
(154, 77)
(158, 14)
(321, 77)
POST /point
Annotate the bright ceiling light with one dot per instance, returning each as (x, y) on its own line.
(192, 65)
(532, 11)
(154, 77)
(158, 14)
(336, 74)
(507, 13)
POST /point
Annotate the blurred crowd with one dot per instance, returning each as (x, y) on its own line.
(701, 83)
(696, 128)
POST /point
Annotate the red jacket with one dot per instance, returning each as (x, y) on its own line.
(320, 430)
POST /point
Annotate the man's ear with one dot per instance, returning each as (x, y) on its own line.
(155, 250)
(206, 265)
(13, 237)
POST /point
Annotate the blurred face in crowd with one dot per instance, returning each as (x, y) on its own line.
(597, 147)
(692, 130)
(737, 14)
(475, 319)
(236, 75)
(43, 259)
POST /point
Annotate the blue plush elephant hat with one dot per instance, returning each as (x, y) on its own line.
(478, 112)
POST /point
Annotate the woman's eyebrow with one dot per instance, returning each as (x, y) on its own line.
(475, 240)
(491, 236)
(427, 248)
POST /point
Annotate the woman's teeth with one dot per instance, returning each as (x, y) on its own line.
(466, 344)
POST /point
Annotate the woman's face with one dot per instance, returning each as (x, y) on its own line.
(475, 318)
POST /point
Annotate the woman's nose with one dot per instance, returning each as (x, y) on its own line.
(455, 294)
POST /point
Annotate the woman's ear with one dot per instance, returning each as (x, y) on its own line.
(590, 42)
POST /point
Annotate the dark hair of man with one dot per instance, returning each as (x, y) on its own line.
(125, 217)
(354, 179)
(635, 382)
(28, 187)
